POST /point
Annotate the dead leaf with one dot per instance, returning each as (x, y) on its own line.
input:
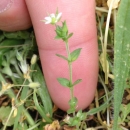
(90, 129)
(115, 3)
(15, 112)
(101, 59)
(53, 126)
(55, 108)
(66, 127)
(128, 97)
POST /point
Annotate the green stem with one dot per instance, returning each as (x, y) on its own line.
(70, 72)
(69, 63)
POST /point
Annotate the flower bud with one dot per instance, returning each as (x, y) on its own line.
(34, 59)
(19, 56)
(34, 85)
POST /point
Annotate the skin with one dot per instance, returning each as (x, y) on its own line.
(80, 18)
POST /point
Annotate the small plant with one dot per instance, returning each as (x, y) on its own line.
(63, 34)
(21, 81)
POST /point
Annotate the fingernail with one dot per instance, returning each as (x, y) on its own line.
(5, 5)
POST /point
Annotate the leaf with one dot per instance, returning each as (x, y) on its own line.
(55, 125)
(115, 3)
(101, 59)
(74, 121)
(17, 35)
(81, 115)
(121, 56)
(4, 113)
(125, 109)
(70, 35)
(70, 110)
(63, 57)
(75, 54)
(64, 82)
(39, 108)
(100, 108)
(7, 45)
(77, 81)
(42, 91)
(58, 37)
(73, 102)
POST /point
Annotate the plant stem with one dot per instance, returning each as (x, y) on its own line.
(69, 63)
(70, 73)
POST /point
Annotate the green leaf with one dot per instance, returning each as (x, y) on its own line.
(75, 54)
(17, 35)
(70, 110)
(64, 82)
(100, 108)
(81, 115)
(4, 113)
(58, 37)
(70, 35)
(77, 81)
(42, 91)
(74, 121)
(39, 108)
(63, 57)
(73, 102)
(121, 56)
(7, 45)
(125, 110)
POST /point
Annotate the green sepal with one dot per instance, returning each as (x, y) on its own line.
(64, 29)
(62, 32)
(63, 57)
(75, 54)
(64, 82)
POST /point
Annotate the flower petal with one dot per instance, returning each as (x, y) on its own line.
(52, 15)
(58, 16)
(48, 20)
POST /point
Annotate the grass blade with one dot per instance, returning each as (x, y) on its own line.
(121, 56)
(42, 91)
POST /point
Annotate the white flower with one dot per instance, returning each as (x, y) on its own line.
(24, 66)
(52, 19)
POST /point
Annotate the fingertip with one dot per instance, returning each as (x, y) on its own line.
(14, 15)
